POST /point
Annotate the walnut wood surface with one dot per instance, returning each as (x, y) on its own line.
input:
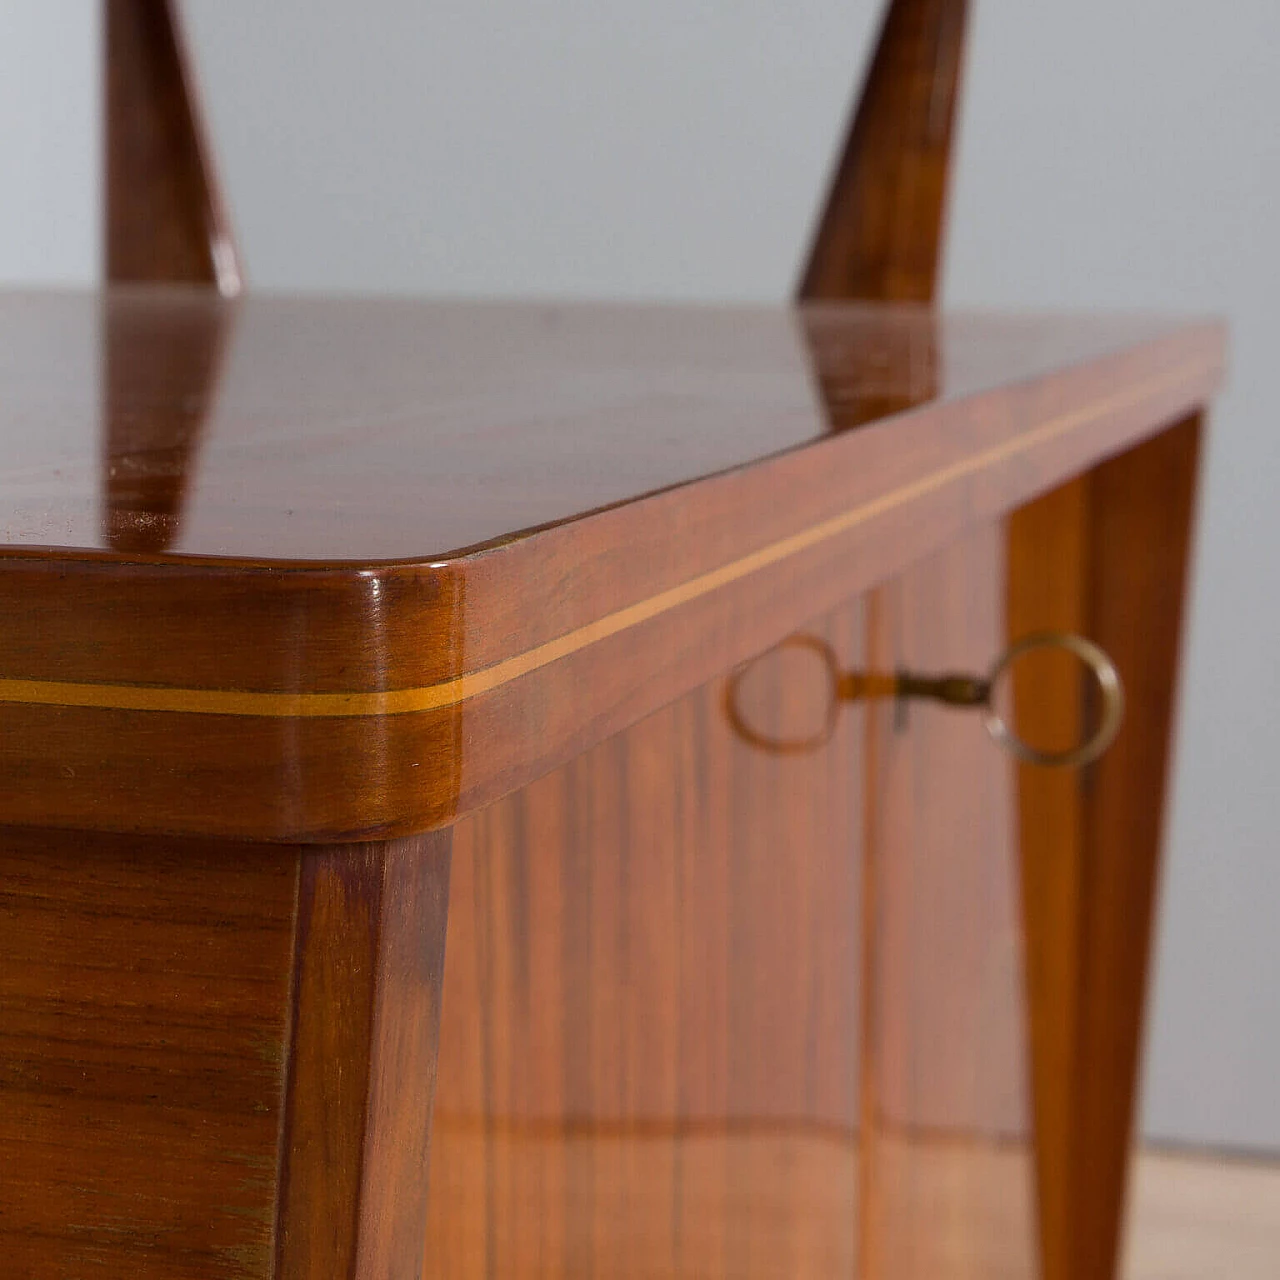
(945, 1043)
(1047, 591)
(341, 572)
(880, 236)
(144, 991)
(944, 1032)
(362, 1060)
(216, 1060)
(712, 1011)
(153, 414)
(678, 965)
(360, 432)
(1114, 546)
(1076, 557)
(163, 221)
(650, 1039)
(164, 215)
(350, 698)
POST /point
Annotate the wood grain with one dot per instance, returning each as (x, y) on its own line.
(164, 214)
(945, 1046)
(1107, 556)
(216, 1060)
(362, 1060)
(144, 989)
(152, 432)
(880, 235)
(649, 1050)
(1046, 591)
(340, 572)
(364, 431)
(1141, 514)
(944, 1032)
(163, 221)
(285, 700)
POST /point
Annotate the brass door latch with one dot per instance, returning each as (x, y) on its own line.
(966, 691)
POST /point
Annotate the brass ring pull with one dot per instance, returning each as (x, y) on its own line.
(966, 691)
(1110, 689)
(837, 693)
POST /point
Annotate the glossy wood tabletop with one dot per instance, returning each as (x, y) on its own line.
(263, 578)
(363, 431)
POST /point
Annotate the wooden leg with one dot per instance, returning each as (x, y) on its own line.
(368, 971)
(1107, 556)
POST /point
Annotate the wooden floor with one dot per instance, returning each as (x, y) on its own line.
(1195, 1217)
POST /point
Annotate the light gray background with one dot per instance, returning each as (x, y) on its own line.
(1117, 153)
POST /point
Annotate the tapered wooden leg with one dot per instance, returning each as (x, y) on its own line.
(1107, 556)
(368, 969)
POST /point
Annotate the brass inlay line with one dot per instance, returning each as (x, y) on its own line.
(456, 689)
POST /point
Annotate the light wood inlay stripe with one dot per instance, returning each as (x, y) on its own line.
(457, 689)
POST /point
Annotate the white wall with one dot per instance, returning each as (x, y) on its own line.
(1117, 153)
(49, 80)
(582, 147)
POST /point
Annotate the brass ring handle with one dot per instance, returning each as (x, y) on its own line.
(966, 691)
(790, 746)
(1110, 688)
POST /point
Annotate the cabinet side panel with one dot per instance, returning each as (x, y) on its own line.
(144, 990)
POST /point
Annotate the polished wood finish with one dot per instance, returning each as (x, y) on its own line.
(944, 1037)
(144, 992)
(680, 962)
(654, 1000)
(331, 690)
(165, 220)
(356, 434)
(1046, 591)
(217, 1061)
(369, 583)
(153, 419)
(1115, 546)
(880, 236)
(945, 1048)
(650, 1047)
(362, 1059)
(1142, 506)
